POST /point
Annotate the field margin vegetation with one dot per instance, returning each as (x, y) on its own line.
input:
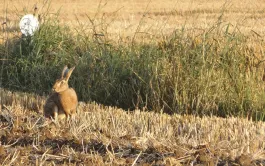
(215, 71)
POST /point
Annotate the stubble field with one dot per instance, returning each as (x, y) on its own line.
(160, 17)
(103, 135)
(189, 76)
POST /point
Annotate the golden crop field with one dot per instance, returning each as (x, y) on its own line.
(156, 16)
(191, 92)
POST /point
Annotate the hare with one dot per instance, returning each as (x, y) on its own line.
(63, 100)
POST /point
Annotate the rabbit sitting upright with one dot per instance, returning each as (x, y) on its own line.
(63, 100)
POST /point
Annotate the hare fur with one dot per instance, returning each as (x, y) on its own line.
(63, 100)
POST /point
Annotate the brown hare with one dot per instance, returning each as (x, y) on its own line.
(63, 100)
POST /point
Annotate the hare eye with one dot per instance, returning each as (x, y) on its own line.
(62, 82)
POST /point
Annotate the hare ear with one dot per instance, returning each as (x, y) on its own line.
(68, 74)
(64, 72)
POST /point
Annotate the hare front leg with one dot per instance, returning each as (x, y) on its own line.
(55, 113)
(68, 116)
(73, 113)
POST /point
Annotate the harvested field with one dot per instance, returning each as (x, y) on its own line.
(164, 82)
(121, 18)
(109, 136)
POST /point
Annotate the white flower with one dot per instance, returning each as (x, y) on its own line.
(28, 24)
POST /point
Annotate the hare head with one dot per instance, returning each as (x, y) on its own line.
(62, 83)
